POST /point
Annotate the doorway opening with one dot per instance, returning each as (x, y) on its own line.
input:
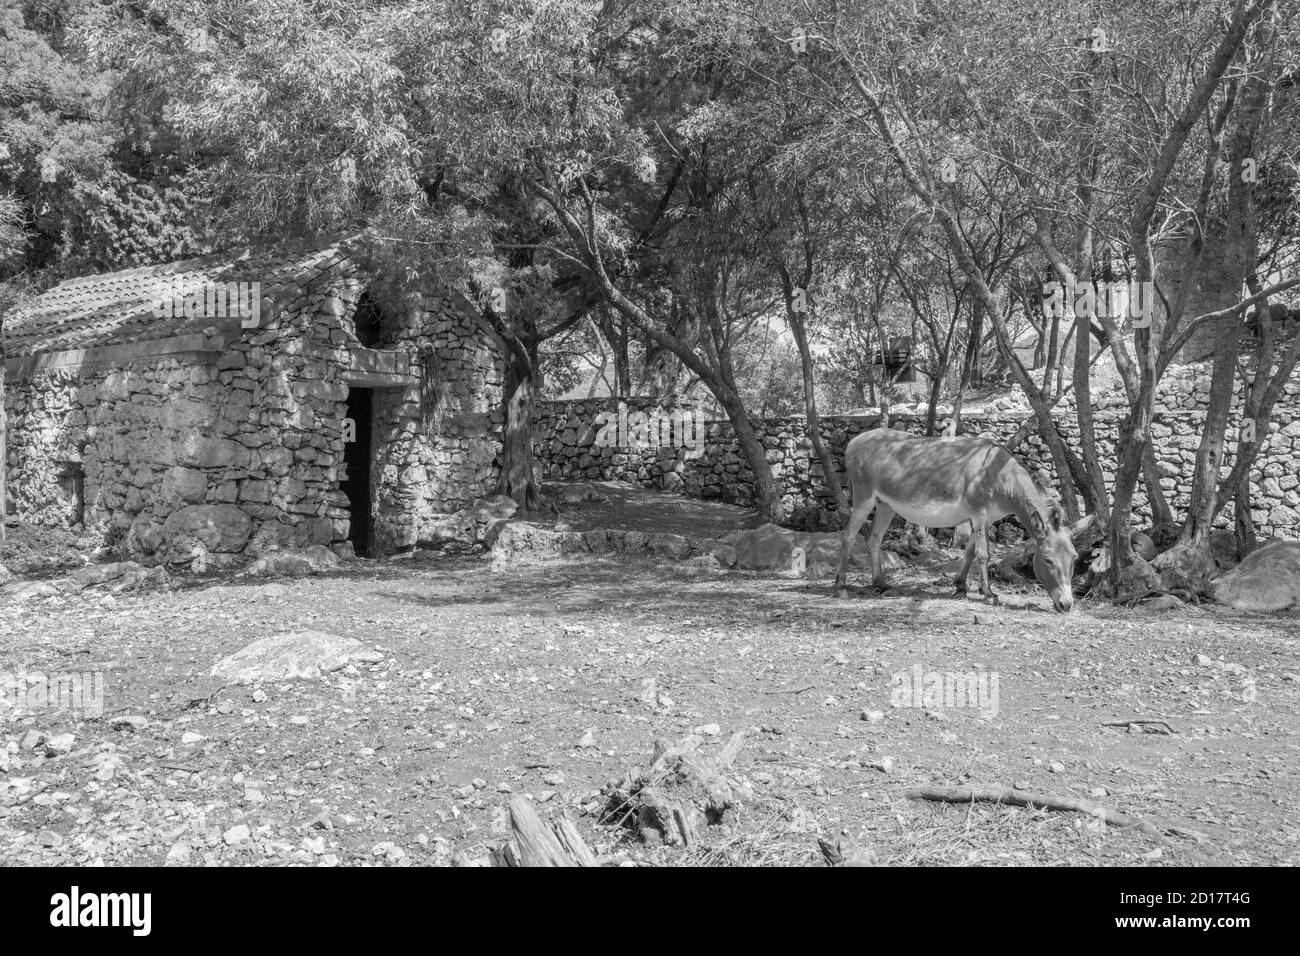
(72, 491)
(357, 456)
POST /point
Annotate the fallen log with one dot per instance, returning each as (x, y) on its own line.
(1038, 801)
(533, 843)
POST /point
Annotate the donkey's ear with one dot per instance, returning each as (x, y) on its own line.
(1082, 525)
(1037, 527)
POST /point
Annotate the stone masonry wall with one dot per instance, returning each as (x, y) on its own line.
(565, 446)
(245, 454)
(425, 470)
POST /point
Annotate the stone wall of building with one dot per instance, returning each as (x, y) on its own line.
(244, 454)
(440, 449)
(567, 449)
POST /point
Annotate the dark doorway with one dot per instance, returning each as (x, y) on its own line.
(356, 461)
(72, 487)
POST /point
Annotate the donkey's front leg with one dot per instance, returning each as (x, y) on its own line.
(980, 537)
(967, 556)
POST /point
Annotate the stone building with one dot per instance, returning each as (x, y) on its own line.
(230, 405)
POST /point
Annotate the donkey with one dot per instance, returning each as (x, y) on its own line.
(942, 482)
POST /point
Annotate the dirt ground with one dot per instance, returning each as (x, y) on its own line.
(552, 678)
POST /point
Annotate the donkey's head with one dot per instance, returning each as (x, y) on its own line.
(1054, 553)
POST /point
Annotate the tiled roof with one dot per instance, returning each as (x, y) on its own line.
(119, 307)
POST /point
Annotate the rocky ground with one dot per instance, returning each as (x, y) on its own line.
(474, 680)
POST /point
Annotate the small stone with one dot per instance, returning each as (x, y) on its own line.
(873, 716)
(1203, 661)
(479, 783)
(190, 737)
(553, 779)
(1056, 767)
(129, 722)
(49, 838)
(236, 834)
(225, 707)
(259, 696)
(1097, 792)
(314, 845)
(59, 744)
(31, 740)
(179, 854)
(709, 730)
(884, 764)
(588, 739)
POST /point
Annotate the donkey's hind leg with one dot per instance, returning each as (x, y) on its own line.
(879, 525)
(862, 506)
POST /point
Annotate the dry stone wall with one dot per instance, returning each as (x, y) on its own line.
(566, 449)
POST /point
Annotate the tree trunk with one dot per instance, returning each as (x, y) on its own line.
(767, 494)
(518, 474)
(829, 473)
(1229, 256)
(4, 454)
(1243, 523)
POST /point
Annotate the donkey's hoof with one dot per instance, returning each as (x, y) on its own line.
(841, 593)
(991, 600)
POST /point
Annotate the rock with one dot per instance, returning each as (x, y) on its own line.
(31, 740)
(458, 528)
(59, 744)
(824, 547)
(1142, 545)
(179, 854)
(1267, 580)
(674, 546)
(220, 528)
(288, 656)
(5, 575)
(121, 576)
(1160, 604)
(236, 834)
(1185, 567)
(129, 722)
(1223, 547)
(22, 591)
(577, 493)
(295, 562)
(766, 548)
(725, 555)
